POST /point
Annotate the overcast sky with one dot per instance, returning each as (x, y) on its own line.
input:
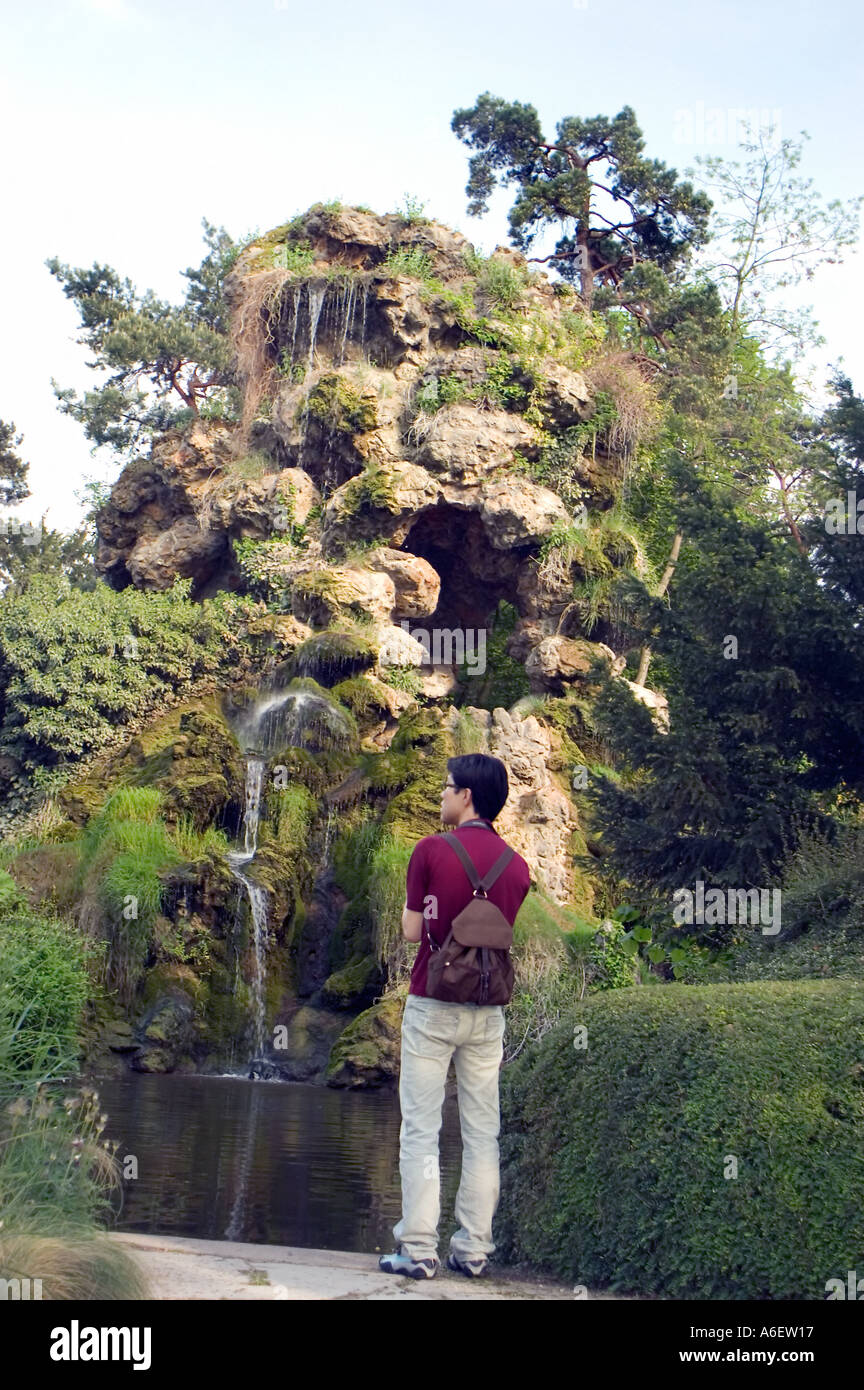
(127, 121)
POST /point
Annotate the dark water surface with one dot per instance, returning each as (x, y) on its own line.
(278, 1163)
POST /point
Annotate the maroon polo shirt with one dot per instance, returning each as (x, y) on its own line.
(435, 870)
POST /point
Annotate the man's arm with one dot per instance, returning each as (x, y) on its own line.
(415, 889)
(412, 924)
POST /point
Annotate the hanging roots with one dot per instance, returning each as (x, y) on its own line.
(253, 331)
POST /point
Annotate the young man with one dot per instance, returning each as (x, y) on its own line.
(438, 888)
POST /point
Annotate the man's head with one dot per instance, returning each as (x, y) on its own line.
(476, 787)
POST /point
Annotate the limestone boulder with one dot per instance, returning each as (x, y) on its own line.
(518, 512)
(657, 703)
(537, 820)
(320, 595)
(566, 397)
(417, 584)
(468, 444)
(556, 661)
(396, 647)
(183, 549)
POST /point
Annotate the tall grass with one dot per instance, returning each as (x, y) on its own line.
(58, 1177)
(126, 851)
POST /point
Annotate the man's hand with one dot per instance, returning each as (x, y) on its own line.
(412, 924)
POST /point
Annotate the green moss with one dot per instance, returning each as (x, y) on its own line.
(371, 490)
(362, 697)
(340, 406)
(355, 981)
(334, 655)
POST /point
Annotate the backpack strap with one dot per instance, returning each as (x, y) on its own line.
(484, 883)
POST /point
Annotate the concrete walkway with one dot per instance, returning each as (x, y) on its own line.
(181, 1268)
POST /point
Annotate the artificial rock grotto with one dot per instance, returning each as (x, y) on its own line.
(398, 399)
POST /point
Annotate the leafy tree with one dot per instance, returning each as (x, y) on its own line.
(29, 548)
(769, 231)
(756, 732)
(75, 665)
(592, 169)
(184, 351)
(836, 544)
(13, 469)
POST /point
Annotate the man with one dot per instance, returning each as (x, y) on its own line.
(438, 888)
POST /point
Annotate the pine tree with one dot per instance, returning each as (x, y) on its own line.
(644, 214)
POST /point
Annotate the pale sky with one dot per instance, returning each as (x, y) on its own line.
(127, 121)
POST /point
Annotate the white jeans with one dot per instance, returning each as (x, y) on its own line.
(432, 1033)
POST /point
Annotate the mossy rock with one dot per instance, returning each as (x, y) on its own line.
(425, 745)
(353, 935)
(354, 983)
(373, 490)
(340, 406)
(366, 700)
(167, 1029)
(333, 656)
(367, 1053)
(187, 752)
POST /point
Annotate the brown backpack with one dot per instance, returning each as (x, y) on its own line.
(473, 965)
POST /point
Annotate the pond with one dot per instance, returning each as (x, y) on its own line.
(278, 1163)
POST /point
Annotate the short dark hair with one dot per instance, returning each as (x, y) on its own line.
(487, 779)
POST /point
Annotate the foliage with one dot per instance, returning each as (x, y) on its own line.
(56, 1172)
(407, 678)
(13, 469)
(294, 256)
(751, 651)
(43, 990)
(769, 231)
(184, 351)
(74, 666)
(411, 210)
(126, 853)
(616, 1156)
(556, 182)
(502, 283)
(409, 261)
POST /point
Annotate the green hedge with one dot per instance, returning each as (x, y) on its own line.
(613, 1157)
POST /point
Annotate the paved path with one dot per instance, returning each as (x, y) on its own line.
(181, 1268)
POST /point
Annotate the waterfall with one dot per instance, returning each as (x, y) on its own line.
(282, 717)
(257, 896)
(252, 814)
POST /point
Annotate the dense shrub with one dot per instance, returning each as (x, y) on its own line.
(74, 665)
(615, 1157)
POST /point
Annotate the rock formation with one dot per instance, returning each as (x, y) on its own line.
(388, 480)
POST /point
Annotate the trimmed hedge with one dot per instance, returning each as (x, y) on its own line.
(613, 1157)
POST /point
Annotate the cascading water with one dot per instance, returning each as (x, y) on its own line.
(330, 312)
(257, 896)
(281, 718)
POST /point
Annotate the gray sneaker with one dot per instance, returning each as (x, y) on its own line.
(474, 1268)
(397, 1263)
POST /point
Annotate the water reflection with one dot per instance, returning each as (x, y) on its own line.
(223, 1158)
